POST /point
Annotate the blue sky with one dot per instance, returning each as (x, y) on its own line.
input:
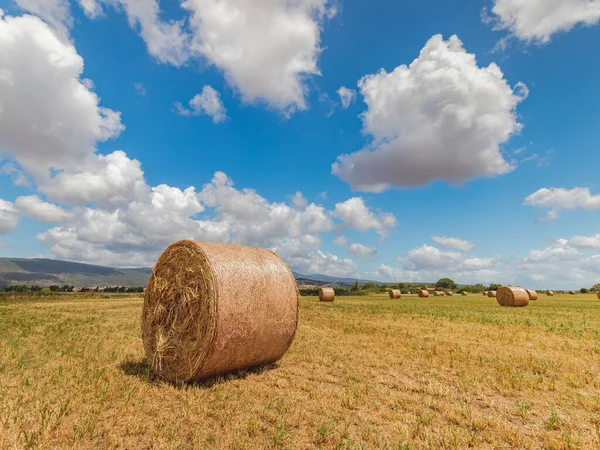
(469, 131)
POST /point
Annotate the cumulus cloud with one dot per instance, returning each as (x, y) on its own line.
(347, 96)
(355, 214)
(362, 251)
(586, 241)
(441, 118)
(537, 20)
(8, 216)
(55, 13)
(51, 119)
(266, 48)
(557, 252)
(35, 208)
(560, 198)
(341, 241)
(456, 243)
(208, 102)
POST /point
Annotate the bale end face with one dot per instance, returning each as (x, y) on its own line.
(550, 293)
(492, 294)
(326, 294)
(512, 296)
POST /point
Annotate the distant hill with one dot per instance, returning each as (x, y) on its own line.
(46, 272)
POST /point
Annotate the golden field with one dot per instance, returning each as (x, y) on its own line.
(363, 372)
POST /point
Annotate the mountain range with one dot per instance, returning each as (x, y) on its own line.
(47, 272)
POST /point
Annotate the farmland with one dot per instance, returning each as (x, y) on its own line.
(363, 372)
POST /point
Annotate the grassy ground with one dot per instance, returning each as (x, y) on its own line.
(363, 372)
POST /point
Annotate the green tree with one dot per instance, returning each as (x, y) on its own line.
(583, 291)
(596, 287)
(494, 287)
(445, 283)
(355, 286)
(370, 287)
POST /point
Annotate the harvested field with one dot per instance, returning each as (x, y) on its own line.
(362, 372)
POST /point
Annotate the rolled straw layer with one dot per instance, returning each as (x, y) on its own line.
(512, 296)
(326, 294)
(215, 308)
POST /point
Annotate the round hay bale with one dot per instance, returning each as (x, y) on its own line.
(533, 295)
(211, 308)
(492, 294)
(394, 293)
(423, 293)
(512, 296)
(572, 292)
(485, 293)
(326, 294)
(598, 294)
(449, 293)
(550, 293)
(464, 293)
(438, 294)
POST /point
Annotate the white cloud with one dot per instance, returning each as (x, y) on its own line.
(537, 20)
(55, 13)
(35, 208)
(560, 198)
(441, 118)
(347, 96)
(456, 243)
(341, 241)
(112, 179)
(362, 251)
(208, 102)
(50, 117)
(91, 8)
(266, 48)
(586, 241)
(8, 216)
(355, 214)
(558, 252)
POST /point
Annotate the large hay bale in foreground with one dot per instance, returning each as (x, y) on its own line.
(423, 293)
(492, 294)
(215, 308)
(464, 293)
(533, 295)
(512, 296)
(394, 293)
(326, 294)
(550, 293)
(449, 293)
(598, 294)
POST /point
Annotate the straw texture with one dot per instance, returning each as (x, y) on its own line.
(485, 293)
(533, 295)
(423, 293)
(326, 294)
(598, 294)
(492, 294)
(215, 308)
(464, 293)
(512, 296)
(395, 293)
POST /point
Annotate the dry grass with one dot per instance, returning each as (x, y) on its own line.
(363, 372)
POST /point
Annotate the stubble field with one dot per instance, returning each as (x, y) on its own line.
(363, 372)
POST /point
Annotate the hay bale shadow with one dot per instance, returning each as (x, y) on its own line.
(142, 370)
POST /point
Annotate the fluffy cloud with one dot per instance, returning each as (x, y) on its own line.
(50, 117)
(266, 48)
(362, 251)
(458, 244)
(207, 102)
(558, 252)
(8, 216)
(431, 258)
(355, 214)
(347, 96)
(560, 198)
(538, 20)
(586, 241)
(35, 208)
(54, 12)
(441, 118)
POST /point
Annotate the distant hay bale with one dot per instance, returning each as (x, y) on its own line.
(533, 295)
(326, 294)
(485, 293)
(449, 293)
(572, 292)
(423, 293)
(492, 294)
(550, 293)
(395, 293)
(512, 296)
(464, 293)
(211, 308)
(438, 294)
